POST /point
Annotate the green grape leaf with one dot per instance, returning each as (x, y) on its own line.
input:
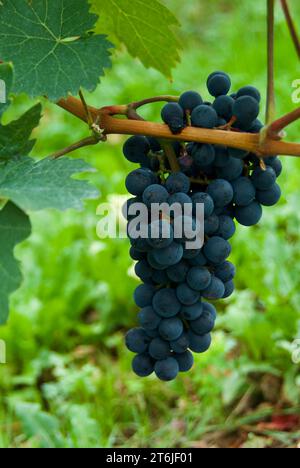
(6, 79)
(14, 137)
(15, 227)
(146, 27)
(44, 184)
(51, 46)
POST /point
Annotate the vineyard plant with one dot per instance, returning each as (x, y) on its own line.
(150, 340)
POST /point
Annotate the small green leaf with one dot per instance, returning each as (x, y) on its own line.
(14, 137)
(50, 46)
(45, 184)
(145, 27)
(14, 228)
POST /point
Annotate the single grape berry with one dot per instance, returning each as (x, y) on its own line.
(167, 369)
(205, 117)
(181, 344)
(186, 295)
(178, 182)
(143, 365)
(171, 329)
(155, 194)
(249, 91)
(138, 180)
(159, 349)
(246, 110)
(218, 84)
(189, 100)
(249, 215)
(223, 105)
(185, 361)
(199, 344)
(217, 250)
(172, 114)
(136, 149)
(137, 340)
(269, 197)
(166, 304)
(221, 192)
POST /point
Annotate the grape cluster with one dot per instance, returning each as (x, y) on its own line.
(175, 317)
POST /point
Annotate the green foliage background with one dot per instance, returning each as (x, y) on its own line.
(68, 381)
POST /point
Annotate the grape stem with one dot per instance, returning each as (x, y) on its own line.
(271, 144)
(291, 25)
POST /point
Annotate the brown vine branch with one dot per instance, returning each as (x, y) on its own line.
(247, 141)
(291, 26)
(89, 141)
(271, 104)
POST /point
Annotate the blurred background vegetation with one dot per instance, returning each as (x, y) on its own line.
(68, 380)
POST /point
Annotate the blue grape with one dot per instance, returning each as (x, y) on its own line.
(167, 369)
(177, 273)
(186, 295)
(221, 192)
(143, 270)
(171, 329)
(143, 295)
(172, 114)
(211, 225)
(269, 197)
(166, 304)
(217, 250)
(185, 361)
(204, 116)
(222, 156)
(238, 153)
(206, 200)
(204, 324)
(256, 127)
(211, 309)
(189, 100)
(215, 290)
(155, 194)
(161, 234)
(249, 215)
(149, 319)
(143, 365)
(180, 198)
(263, 179)
(226, 272)
(181, 344)
(223, 105)
(199, 278)
(153, 263)
(140, 244)
(249, 91)
(218, 84)
(160, 277)
(246, 110)
(169, 256)
(192, 312)
(159, 349)
(138, 180)
(136, 255)
(227, 227)
(199, 344)
(200, 260)
(232, 170)
(243, 191)
(137, 340)
(203, 155)
(136, 149)
(178, 182)
(229, 289)
(275, 164)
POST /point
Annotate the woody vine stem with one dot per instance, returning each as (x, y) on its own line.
(269, 141)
